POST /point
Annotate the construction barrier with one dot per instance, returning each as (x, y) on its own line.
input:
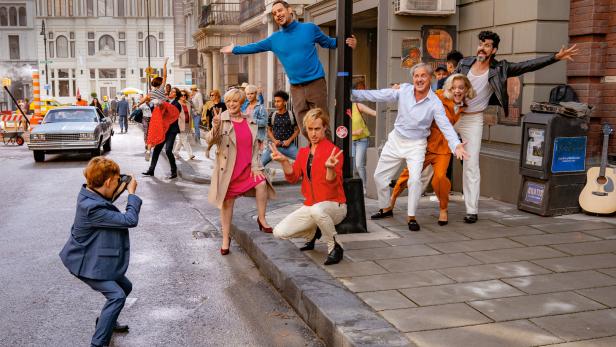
(36, 88)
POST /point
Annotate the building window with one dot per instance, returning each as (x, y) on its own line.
(140, 35)
(4, 19)
(106, 43)
(62, 46)
(161, 35)
(72, 49)
(122, 47)
(14, 47)
(121, 11)
(92, 74)
(161, 49)
(22, 16)
(151, 45)
(51, 49)
(62, 73)
(107, 73)
(13, 16)
(71, 35)
(91, 50)
(122, 73)
(122, 35)
(90, 8)
(90, 36)
(140, 49)
(50, 35)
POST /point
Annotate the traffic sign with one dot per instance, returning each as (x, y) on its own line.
(47, 87)
(6, 82)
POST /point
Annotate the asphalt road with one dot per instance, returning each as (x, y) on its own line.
(184, 292)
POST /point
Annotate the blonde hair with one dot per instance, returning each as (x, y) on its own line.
(216, 92)
(470, 91)
(312, 115)
(235, 95)
(99, 170)
(251, 88)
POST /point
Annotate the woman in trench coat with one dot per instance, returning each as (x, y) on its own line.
(238, 168)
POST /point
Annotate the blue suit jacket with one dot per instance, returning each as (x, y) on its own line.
(99, 247)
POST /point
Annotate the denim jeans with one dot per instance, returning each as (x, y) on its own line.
(358, 151)
(289, 152)
(197, 123)
(123, 123)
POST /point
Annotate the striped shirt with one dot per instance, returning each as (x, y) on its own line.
(158, 94)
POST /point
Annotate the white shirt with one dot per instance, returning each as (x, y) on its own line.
(414, 118)
(484, 90)
(145, 109)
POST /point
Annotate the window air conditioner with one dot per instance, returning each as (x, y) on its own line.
(425, 7)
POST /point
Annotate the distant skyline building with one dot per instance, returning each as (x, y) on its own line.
(102, 46)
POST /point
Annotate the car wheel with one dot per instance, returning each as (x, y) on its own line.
(39, 156)
(107, 145)
(98, 151)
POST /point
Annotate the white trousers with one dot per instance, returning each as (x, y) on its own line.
(303, 222)
(470, 128)
(397, 150)
(182, 142)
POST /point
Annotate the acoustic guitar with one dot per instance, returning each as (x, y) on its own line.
(598, 195)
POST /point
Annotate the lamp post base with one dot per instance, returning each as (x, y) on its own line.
(355, 221)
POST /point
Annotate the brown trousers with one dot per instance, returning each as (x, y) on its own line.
(440, 182)
(308, 96)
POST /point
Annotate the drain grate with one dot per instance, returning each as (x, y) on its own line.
(206, 234)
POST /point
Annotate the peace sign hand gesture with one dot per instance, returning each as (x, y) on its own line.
(333, 160)
(277, 156)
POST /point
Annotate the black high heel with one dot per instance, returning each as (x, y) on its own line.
(309, 246)
(268, 230)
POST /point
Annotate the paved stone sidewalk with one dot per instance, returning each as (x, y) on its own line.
(512, 279)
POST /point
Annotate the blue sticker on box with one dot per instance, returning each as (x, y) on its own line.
(534, 193)
(569, 154)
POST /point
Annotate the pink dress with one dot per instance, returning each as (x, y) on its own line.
(241, 179)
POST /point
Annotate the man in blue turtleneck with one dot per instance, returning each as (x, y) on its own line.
(294, 45)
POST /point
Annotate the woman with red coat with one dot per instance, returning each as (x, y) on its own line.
(319, 166)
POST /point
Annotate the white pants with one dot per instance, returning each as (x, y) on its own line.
(182, 142)
(470, 128)
(304, 221)
(396, 150)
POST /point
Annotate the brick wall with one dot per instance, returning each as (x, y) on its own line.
(592, 26)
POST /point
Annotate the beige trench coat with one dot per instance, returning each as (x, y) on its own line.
(226, 150)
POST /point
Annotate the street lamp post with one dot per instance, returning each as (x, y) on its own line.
(147, 44)
(44, 33)
(355, 221)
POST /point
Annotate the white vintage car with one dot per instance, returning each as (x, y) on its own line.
(71, 129)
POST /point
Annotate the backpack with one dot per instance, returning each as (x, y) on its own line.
(291, 116)
(562, 92)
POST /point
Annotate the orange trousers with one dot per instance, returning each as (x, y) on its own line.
(440, 182)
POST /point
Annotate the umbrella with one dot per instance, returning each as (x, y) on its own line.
(127, 91)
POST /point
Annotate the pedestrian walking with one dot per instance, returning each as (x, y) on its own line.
(196, 99)
(98, 248)
(282, 129)
(238, 170)
(146, 111)
(256, 111)
(300, 59)
(319, 166)
(418, 106)
(185, 124)
(489, 79)
(114, 108)
(162, 131)
(97, 104)
(123, 110)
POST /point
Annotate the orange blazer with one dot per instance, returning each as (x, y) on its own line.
(437, 143)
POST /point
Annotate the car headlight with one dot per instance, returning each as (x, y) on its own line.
(86, 136)
(37, 137)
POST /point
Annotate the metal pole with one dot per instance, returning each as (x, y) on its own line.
(355, 221)
(147, 43)
(44, 33)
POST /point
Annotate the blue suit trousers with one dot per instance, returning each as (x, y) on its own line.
(116, 293)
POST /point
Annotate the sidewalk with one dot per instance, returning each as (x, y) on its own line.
(511, 279)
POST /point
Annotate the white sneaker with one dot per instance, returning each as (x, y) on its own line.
(147, 155)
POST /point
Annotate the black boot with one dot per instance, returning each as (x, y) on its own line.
(470, 218)
(335, 256)
(309, 246)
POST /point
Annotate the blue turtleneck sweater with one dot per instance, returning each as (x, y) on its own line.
(294, 45)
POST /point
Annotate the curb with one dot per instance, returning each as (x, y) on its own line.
(334, 313)
(187, 172)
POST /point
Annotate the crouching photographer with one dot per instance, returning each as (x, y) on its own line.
(97, 251)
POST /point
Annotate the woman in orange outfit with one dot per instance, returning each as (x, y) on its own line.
(456, 91)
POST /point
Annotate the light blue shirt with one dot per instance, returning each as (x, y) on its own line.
(414, 118)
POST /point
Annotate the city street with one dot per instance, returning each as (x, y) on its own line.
(184, 292)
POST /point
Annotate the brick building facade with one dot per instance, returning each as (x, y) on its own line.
(592, 26)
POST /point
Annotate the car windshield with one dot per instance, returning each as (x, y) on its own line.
(57, 116)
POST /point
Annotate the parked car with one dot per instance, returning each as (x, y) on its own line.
(71, 129)
(46, 105)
